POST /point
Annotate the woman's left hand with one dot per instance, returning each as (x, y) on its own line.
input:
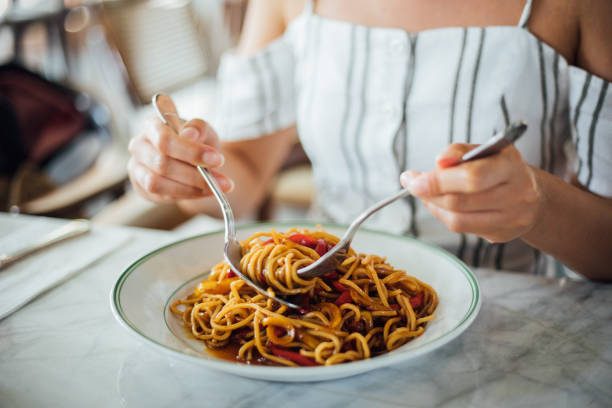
(497, 197)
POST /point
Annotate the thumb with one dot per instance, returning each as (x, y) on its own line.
(407, 177)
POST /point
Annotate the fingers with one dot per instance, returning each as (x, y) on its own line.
(162, 166)
(481, 221)
(471, 177)
(199, 131)
(496, 198)
(145, 154)
(161, 188)
(495, 226)
(407, 176)
(185, 147)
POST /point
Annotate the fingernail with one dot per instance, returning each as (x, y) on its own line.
(190, 134)
(418, 186)
(405, 178)
(444, 162)
(213, 159)
(227, 185)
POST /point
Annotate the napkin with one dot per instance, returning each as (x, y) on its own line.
(38, 272)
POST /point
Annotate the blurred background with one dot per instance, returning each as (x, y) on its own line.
(76, 80)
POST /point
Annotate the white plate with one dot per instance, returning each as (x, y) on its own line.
(140, 296)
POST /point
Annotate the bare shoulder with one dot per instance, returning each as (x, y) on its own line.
(594, 52)
(264, 22)
(557, 24)
(580, 30)
(293, 8)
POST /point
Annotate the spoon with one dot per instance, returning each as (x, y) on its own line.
(335, 256)
(232, 251)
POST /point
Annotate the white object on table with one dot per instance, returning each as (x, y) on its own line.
(26, 279)
(70, 229)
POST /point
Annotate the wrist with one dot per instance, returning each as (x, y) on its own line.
(542, 204)
(572, 225)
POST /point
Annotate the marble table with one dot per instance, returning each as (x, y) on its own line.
(536, 342)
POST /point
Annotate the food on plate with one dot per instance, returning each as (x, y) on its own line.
(364, 308)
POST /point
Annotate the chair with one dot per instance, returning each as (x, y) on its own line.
(160, 44)
(161, 47)
(150, 37)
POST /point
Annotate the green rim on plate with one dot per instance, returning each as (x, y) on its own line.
(471, 279)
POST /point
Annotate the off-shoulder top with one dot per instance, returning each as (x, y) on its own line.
(371, 102)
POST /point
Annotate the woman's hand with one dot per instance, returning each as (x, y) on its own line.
(497, 197)
(162, 166)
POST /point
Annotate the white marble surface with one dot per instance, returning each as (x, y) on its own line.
(24, 281)
(536, 342)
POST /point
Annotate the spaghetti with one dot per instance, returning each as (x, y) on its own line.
(364, 308)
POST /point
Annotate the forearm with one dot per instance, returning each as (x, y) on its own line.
(574, 226)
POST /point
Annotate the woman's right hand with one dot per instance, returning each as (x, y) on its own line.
(162, 164)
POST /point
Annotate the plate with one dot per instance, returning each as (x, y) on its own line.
(140, 297)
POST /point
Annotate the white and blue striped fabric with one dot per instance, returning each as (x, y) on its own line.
(371, 102)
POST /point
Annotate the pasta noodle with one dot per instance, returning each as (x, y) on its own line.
(364, 308)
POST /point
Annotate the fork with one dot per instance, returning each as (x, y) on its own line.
(334, 257)
(232, 251)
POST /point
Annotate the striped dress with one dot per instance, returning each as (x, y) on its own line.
(371, 102)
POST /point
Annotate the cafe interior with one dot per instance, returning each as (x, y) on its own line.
(109, 298)
(104, 60)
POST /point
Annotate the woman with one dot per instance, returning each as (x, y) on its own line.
(378, 92)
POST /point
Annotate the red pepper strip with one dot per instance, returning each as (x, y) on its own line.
(416, 301)
(304, 301)
(293, 356)
(230, 274)
(321, 247)
(345, 297)
(332, 276)
(271, 240)
(303, 240)
(395, 306)
(339, 287)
